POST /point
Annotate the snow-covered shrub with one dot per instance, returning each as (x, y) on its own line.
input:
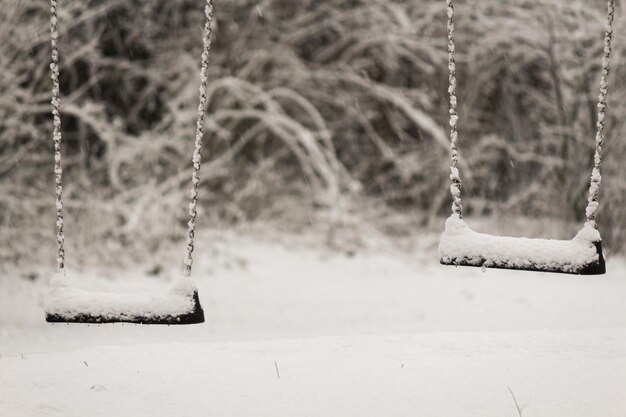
(312, 102)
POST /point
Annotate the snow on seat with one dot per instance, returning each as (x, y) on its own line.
(460, 245)
(67, 304)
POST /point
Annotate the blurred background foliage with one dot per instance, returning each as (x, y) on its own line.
(329, 112)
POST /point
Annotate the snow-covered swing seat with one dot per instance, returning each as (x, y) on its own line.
(180, 304)
(460, 245)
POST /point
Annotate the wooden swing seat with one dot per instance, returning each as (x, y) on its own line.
(67, 304)
(582, 255)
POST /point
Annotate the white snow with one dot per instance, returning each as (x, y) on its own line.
(443, 374)
(67, 301)
(460, 243)
(380, 333)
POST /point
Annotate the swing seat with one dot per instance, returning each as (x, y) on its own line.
(66, 304)
(582, 255)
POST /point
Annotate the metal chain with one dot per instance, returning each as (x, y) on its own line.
(455, 178)
(596, 178)
(594, 187)
(196, 159)
(56, 134)
(57, 138)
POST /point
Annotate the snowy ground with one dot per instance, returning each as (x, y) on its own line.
(295, 331)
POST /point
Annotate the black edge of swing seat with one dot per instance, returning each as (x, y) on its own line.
(593, 268)
(582, 255)
(66, 304)
(195, 316)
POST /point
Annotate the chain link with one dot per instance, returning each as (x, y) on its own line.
(57, 138)
(596, 178)
(196, 159)
(594, 187)
(455, 177)
(56, 134)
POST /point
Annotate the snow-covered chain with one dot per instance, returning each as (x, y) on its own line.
(195, 177)
(596, 177)
(56, 134)
(455, 178)
(57, 138)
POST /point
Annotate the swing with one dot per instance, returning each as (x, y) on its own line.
(179, 305)
(460, 245)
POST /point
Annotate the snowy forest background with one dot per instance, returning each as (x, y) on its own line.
(324, 189)
(329, 115)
